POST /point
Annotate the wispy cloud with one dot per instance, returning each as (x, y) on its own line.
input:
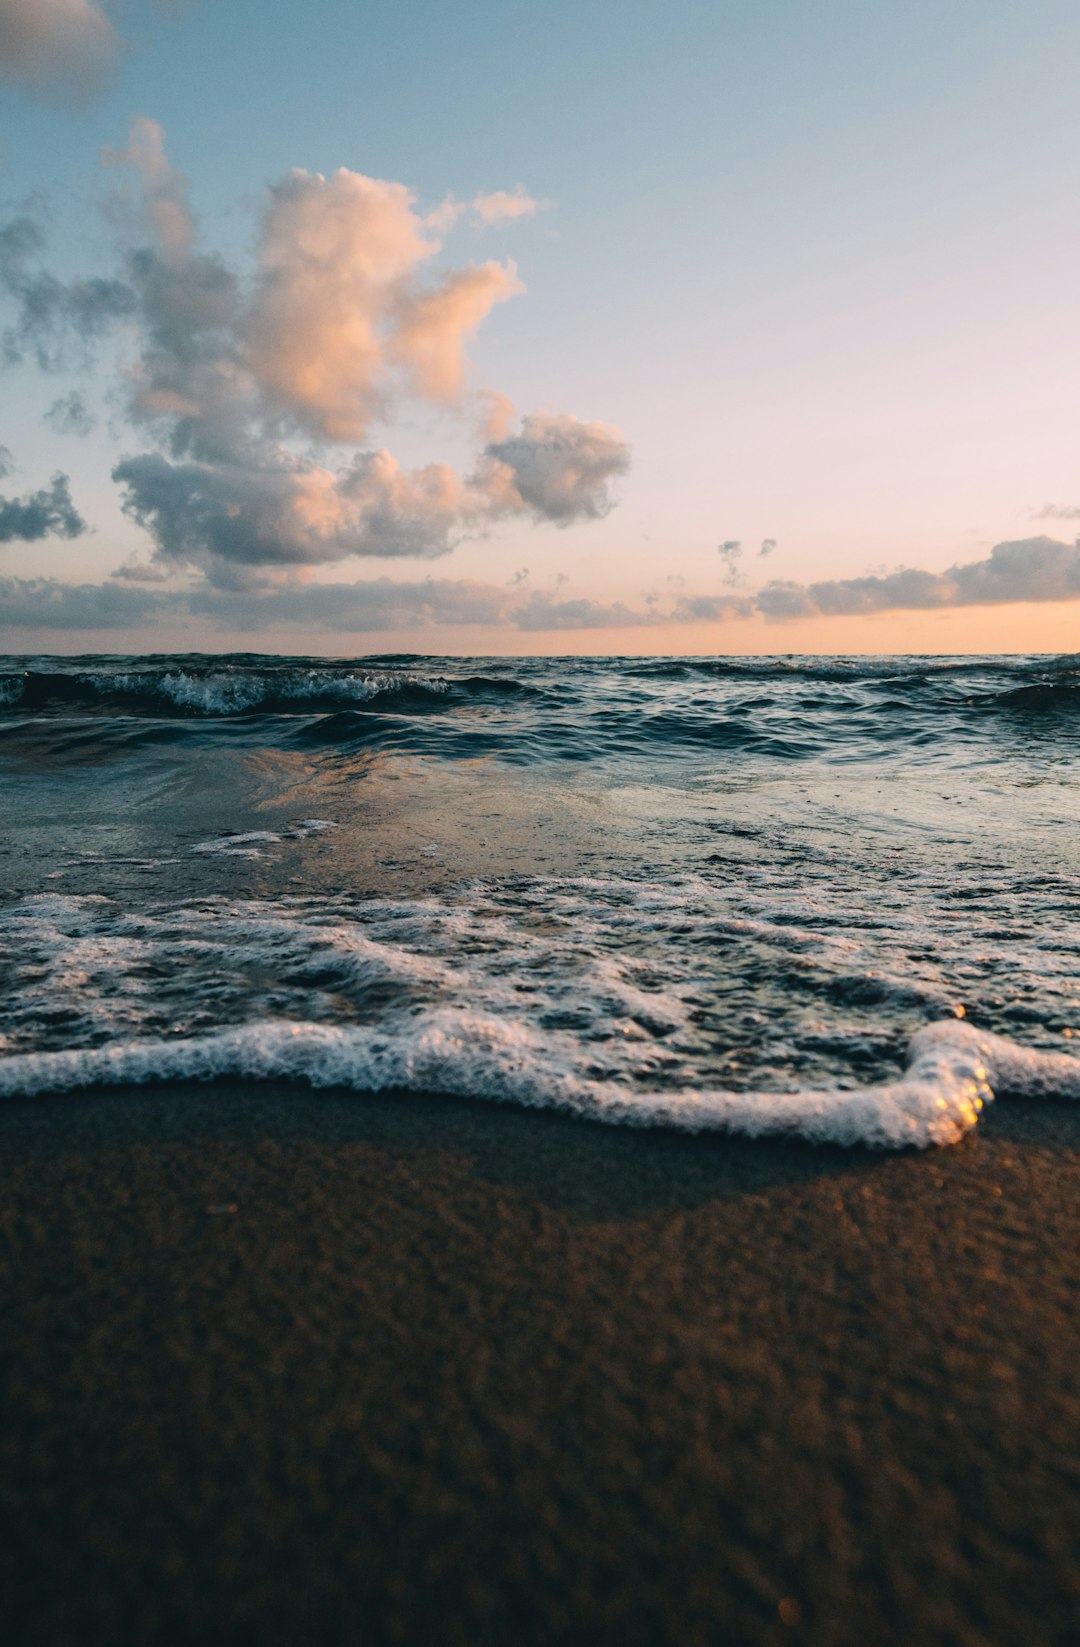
(483, 210)
(70, 415)
(56, 321)
(730, 552)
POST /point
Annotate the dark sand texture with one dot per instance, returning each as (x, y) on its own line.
(282, 1368)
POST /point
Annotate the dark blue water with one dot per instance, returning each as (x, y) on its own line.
(528, 709)
(539, 879)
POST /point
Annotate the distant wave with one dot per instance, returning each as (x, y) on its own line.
(214, 692)
(534, 709)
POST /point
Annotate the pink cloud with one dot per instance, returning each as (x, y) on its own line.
(62, 50)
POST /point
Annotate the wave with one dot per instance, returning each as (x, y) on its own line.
(953, 1072)
(684, 1002)
(232, 691)
(530, 710)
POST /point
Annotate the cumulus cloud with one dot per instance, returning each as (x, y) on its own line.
(244, 382)
(281, 511)
(45, 513)
(338, 311)
(432, 326)
(70, 415)
(62, 50)
(293, 513)
(334, 255)
(558, 468)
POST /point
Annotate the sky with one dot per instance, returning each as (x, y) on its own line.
(740, 327)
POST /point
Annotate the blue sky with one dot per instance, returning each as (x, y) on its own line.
(816, 264)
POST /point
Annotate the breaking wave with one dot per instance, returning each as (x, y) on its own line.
(682, 1005)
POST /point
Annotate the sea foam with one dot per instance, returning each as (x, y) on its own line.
(626, 1002)
(953, 1072)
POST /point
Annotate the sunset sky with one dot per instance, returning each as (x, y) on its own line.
(740, 326)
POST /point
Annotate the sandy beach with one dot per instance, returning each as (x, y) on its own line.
(281, 1367)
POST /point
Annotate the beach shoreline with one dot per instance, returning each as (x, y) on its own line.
(284, 1366)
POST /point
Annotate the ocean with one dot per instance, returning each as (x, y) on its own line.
(836, 898)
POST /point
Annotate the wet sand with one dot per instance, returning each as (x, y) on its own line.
(283, 1368)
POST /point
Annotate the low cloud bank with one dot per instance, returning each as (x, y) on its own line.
(1035, 569)
(1029, 569)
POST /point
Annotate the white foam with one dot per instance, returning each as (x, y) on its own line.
(953, 1072)
(230, 694)
(631, 1002)
(239, 846)
(251, 842)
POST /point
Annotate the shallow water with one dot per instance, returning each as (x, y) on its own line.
(625, 887)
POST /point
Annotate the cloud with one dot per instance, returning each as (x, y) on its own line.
(46, 513)
(369, 606)
(767, 547)
(364, 607)
(542, 612)
(1037, 569)
(287, 512)
(336, 306)
(710, 608)
(70, 415)
(1029, 569)
(558, 468)
(431, 327)
(61, 50)
(164, 190)
(730, 552)
(484, 210)
(1059, 511)
(290, 513)
(7, 463)
(489, 208)
(56, 321)
(243, 380)
(44, 603)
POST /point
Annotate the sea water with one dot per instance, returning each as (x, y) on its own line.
(829, 897)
